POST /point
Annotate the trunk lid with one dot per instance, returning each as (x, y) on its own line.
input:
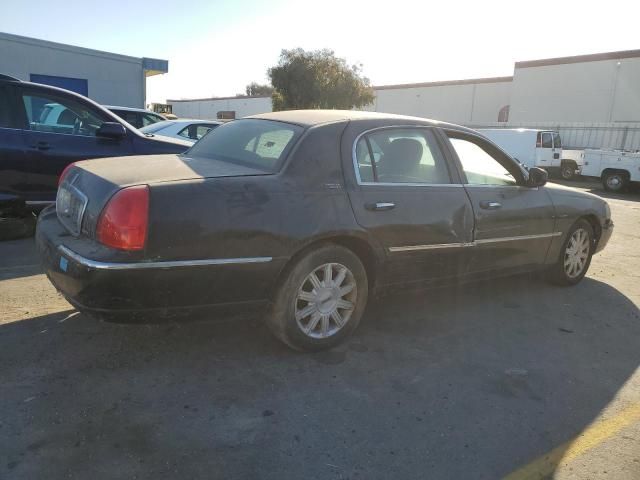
(149, 169)
(88, 185)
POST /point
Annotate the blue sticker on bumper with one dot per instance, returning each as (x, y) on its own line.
(64, 263)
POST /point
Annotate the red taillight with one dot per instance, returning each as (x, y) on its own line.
(123, 221)
(64, 172)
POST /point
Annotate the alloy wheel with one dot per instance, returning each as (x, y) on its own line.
(576, 254)
(326, 300)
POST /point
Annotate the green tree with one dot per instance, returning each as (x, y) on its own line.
(318, 79)
(255, 89)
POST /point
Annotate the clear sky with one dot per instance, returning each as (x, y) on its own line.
(216, 47)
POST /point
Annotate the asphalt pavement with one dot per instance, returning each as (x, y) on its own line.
(507, 378)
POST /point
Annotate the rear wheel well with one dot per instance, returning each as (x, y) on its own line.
(359, 247)
(615, 170)
(568, 161)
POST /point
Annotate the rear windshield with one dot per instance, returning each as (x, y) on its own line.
(260, 144)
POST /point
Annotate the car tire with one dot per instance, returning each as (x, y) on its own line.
(567, 172)
(575, 255)
(321, 299)
(615, 181)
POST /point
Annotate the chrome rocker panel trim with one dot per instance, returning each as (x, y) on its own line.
(410, 248)
(96, 265)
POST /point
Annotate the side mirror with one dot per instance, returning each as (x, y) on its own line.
(537, 177)
(113, 130)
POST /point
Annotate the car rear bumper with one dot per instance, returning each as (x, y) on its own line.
(142, 287)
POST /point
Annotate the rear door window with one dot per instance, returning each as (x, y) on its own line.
(557, 143)
(402, 156)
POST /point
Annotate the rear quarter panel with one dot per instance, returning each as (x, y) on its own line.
(256, 216)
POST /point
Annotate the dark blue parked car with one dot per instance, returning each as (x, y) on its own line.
(43, 129)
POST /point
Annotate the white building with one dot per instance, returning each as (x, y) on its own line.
(603, 87)
(593, 100)
(107, 78)
(457, 101)
(220, 107)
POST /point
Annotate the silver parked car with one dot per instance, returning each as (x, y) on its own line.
(184, 129)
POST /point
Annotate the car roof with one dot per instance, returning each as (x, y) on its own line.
(309, 118)
(9, 78)
(515, 130)
(189, 120)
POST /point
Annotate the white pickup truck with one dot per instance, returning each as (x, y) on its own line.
(571, 163)
(617, 169)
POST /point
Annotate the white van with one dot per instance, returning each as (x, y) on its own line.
(532, 148)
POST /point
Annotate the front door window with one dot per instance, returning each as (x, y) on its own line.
(479, 166)
(53, 114)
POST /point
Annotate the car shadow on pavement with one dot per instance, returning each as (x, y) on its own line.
(632, 193)
(467, 382)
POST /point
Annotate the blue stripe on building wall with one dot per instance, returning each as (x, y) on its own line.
(78, 85)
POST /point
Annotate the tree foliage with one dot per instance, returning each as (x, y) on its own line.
(256, 89)
(318, 79)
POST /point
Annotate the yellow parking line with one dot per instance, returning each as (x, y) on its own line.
(592, 436)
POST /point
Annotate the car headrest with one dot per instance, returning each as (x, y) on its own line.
(403, 155)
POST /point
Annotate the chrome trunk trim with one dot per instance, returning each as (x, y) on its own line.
(97, 265)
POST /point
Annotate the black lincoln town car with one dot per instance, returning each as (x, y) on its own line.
(309, 213)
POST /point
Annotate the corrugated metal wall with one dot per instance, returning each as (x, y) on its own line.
(617, 136)
(111, 79)
(207, 109)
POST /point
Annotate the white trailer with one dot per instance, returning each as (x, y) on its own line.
(532, 148)
(616, 169)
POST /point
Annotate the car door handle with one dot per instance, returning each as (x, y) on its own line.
(380, 206)
(490, 205)
(41, 146)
